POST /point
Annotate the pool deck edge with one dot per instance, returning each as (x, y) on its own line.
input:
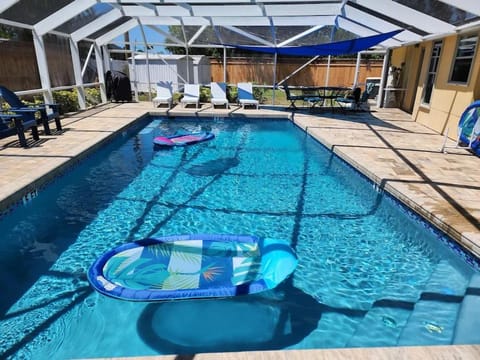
(463, 352)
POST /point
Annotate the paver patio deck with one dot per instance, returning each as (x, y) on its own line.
(400, 155)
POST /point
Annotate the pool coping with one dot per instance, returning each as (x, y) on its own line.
(444, 352)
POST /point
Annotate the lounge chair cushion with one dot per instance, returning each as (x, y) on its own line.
(218, 94)
(245, 95)
(191, 95)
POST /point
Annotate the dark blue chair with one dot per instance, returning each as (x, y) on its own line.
(11, 124)
(47, 112)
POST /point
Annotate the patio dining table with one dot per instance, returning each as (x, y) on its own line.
(324, 96)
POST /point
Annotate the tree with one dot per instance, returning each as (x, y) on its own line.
(14, 33)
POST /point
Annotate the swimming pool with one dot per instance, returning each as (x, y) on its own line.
(369, 274)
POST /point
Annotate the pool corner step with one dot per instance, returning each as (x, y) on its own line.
(434, 316)
(381, 326)
(468, 321)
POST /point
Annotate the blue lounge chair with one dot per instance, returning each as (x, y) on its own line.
(219, 94)
(47, 111)
(245, 95)
(11, 124)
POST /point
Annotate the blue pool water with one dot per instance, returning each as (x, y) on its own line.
(369, 273)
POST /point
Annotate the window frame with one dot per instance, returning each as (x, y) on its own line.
(456, 57)
(433, 56)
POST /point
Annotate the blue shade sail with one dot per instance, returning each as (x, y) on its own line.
(336, 48)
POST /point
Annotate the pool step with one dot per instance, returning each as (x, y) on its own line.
(333, 331)
(433, 318)
(382, 325)
(467, 330)
(447, 280)
(150, 127)
(431, 323)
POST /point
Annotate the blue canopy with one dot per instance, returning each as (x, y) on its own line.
(336, 48)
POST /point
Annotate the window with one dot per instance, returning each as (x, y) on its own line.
(432, 71)
(464, 59)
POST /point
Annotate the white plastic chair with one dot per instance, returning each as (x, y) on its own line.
(164, 94)
(245, 95)
(218, 92)
(191, 95)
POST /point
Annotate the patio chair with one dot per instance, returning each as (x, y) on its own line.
(292, 98)
(164, 94)
(219, 94)
(47, 112)
(191, 95)
(11, 124)
(245, 94)
(351, 100)
(363, 104)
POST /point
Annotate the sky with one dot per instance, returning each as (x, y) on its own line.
(137, 37)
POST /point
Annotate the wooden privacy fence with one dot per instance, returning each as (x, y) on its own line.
(18, 68)
(260, 71)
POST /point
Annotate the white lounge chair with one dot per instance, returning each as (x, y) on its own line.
(191, 95)
(218, 92)
(164, 94)
(245, 95)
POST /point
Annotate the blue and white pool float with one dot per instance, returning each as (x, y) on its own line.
(469, 127)
(192, 266)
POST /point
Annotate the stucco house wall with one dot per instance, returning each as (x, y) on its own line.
(448, 100)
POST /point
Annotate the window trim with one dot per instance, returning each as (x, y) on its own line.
(439, 57)
(472, 62)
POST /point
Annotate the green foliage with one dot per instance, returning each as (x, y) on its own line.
(6, 32)
(143, 96)
(92, 96)
(67, 100)
(232, 94)
(280, 98)
(14, 33)
(204, 94)
(176, 97)
(259, 94)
